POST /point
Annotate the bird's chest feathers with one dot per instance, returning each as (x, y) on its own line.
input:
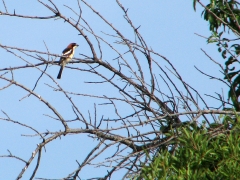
(72, 53)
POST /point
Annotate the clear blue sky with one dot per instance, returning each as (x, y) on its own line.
(167, 26)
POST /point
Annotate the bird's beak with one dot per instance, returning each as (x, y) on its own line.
(77, 45)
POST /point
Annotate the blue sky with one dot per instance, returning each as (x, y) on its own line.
(167, 26)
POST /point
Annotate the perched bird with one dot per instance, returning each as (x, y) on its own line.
(67, 55)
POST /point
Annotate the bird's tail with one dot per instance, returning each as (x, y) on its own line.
(60, 73)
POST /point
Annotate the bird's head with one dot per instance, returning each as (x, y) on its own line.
(73, 45)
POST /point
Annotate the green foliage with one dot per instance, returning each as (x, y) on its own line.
(222, 13)
(226, 15)
(212, 153)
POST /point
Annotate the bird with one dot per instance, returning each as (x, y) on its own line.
(67, 55)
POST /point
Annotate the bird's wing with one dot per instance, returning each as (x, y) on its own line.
(66, 52)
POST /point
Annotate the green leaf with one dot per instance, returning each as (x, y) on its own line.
(224, 54)
(231, 75)
(194, 4)
(225, 39)
(236, 81)
(220, 34)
